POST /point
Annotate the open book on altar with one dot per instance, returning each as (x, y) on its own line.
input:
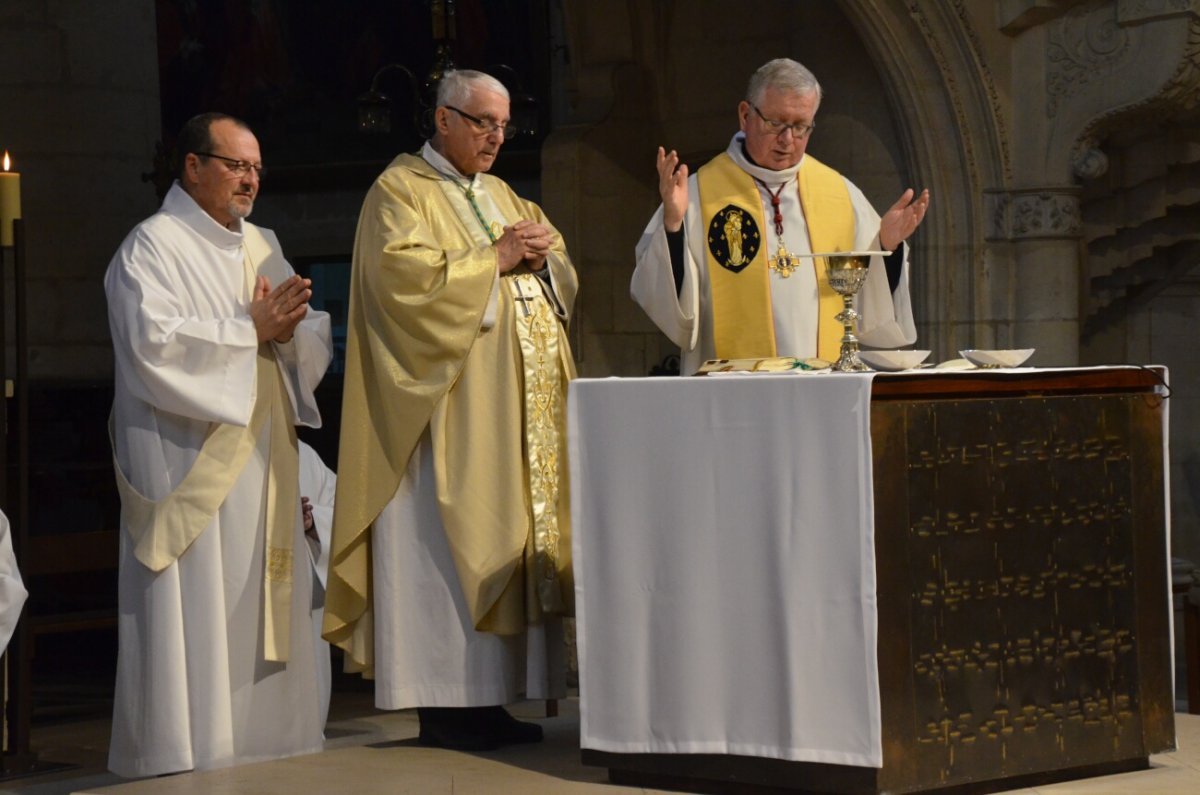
(774, 364)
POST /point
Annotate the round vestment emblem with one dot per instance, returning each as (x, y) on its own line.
(733, 238)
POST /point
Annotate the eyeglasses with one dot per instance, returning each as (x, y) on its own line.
(776, 127)
(486, 126)
(239, 168)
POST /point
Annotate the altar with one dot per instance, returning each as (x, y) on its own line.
(864, 583)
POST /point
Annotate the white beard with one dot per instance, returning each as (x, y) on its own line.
(238, 210)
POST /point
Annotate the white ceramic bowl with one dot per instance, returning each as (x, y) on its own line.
(1004, 358)
(892, 361)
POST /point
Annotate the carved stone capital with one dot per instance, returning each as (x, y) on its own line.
(1033, 213)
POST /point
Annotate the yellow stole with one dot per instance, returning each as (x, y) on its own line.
(736, 254)
(162, 530)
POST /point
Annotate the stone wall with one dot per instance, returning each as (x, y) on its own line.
(79, 111)
(1168, 325)
(1142, 281)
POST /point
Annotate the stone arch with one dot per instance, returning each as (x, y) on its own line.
(951, 124)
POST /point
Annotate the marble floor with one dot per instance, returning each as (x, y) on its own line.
(376, 752)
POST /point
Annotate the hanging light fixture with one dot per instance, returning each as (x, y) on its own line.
(376, 107)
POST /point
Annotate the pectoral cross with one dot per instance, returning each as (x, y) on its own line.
(519, 295)
(784, 261)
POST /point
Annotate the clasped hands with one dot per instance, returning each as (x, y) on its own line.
(306, 511)
(310, 526)
(525, 241)
(276, 313)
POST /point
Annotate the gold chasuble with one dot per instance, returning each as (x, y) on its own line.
(418, 358)
(163, 530)
(736, 254)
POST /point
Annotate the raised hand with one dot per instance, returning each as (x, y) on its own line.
(276, 313)
(525, 241)
(672, 186)
(902, 219)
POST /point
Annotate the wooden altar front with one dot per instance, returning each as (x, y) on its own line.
(1022, 589)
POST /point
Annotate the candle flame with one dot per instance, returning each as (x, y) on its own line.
(7, 162)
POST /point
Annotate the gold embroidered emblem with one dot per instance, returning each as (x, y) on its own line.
(733, 238)
(279, 564)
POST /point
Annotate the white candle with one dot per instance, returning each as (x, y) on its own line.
(10, 201)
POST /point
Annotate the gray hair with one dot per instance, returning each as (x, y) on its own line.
(455, 87)
(785, 75)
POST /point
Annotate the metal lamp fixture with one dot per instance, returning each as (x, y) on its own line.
(376, 107)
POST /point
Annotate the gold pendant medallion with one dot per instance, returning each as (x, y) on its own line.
(784, 261)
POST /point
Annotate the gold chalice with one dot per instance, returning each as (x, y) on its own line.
(847, 272)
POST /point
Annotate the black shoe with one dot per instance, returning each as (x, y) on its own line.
(507, 729)
(459, 729)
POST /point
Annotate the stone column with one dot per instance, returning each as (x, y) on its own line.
(1044, 229)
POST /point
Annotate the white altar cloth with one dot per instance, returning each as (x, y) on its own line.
(725, 567)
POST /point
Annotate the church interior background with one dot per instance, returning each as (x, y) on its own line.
(1060, 140)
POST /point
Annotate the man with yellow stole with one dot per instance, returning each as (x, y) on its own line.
(717, 267)
(450, 568)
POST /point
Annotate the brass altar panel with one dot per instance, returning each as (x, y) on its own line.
(1013, 538)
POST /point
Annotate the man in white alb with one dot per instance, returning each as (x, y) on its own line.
(318, 484)
(217, 356)
(12, 587)
(717, 269)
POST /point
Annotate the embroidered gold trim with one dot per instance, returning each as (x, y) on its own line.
(538, 334)
(279, 564)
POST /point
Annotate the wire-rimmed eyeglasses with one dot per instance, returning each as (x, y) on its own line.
(776, 127)
(239, 168)
(486, 126)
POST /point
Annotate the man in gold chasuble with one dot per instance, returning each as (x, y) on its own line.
(450, 569)
(717, 266)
